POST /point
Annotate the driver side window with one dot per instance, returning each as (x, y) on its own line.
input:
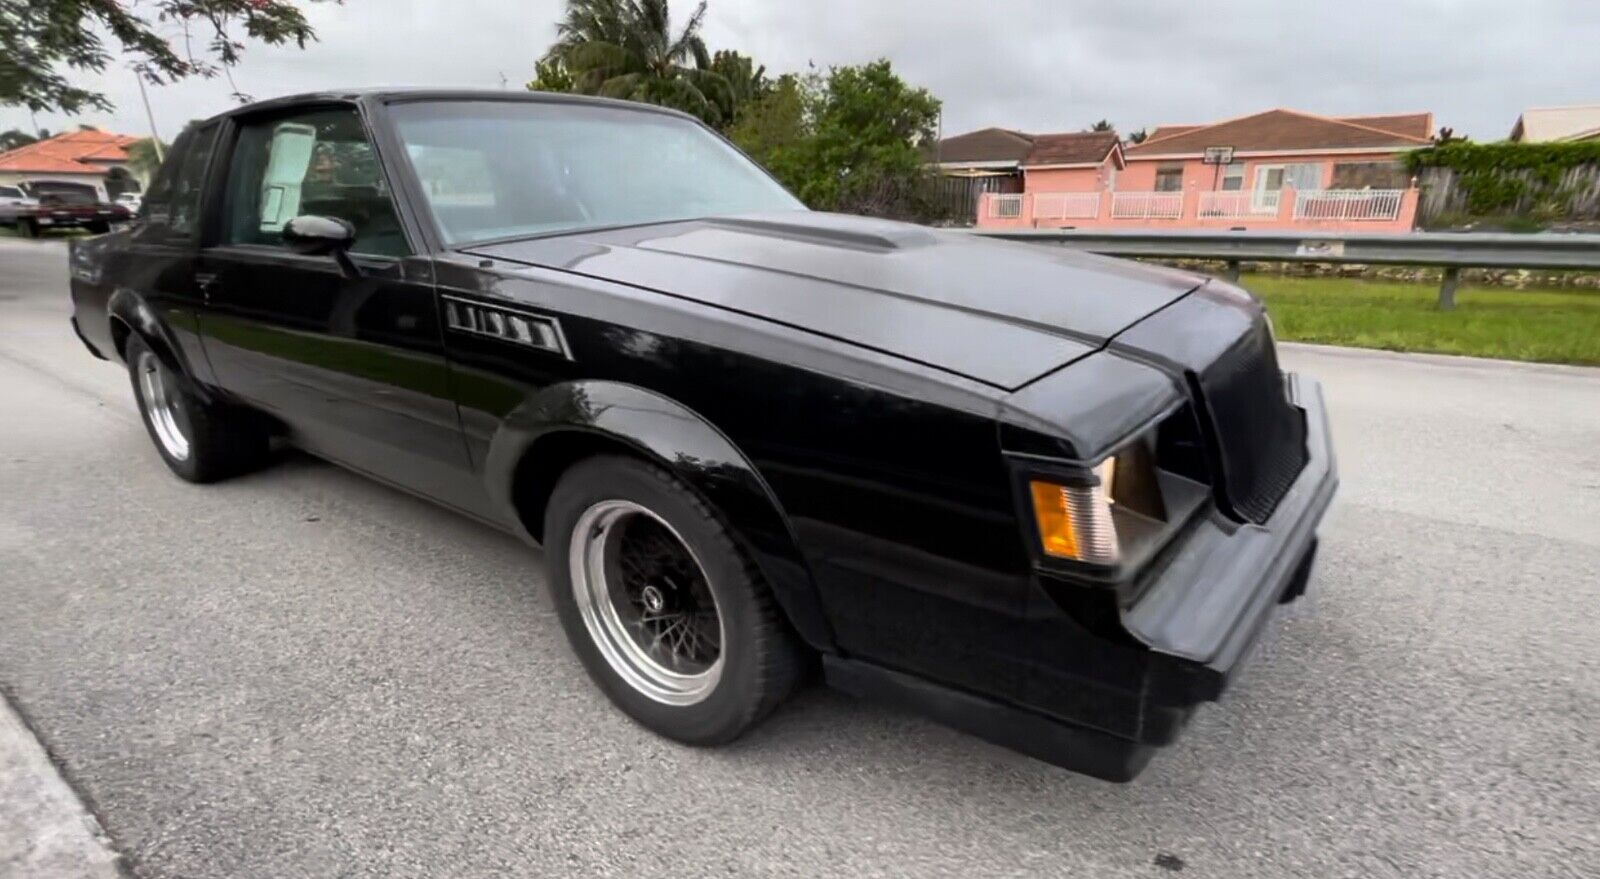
(310, 163)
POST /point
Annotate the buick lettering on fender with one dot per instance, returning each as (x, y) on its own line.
(1045, 497)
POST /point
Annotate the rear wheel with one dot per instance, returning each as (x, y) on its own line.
(666, 613)
(199, 442)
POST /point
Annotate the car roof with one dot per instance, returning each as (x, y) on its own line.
(391, 94)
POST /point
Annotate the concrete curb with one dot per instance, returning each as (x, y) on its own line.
(45, 830)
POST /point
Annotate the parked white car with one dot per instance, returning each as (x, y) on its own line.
(14, 202)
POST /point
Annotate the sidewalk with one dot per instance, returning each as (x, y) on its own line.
(45, 831)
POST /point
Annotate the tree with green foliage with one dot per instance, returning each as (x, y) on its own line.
(747, 81)
(864, 151)
(772, 127)
(144, 158)
(39, 37)
(1102, 125)
(628, 49)
(849, 141)
(550, 76)
(1138, 136)
(16, 137)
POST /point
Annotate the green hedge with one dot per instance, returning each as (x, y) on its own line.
(1496, 177)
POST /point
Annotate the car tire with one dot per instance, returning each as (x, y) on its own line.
(605, 515)
(199, 442)
(30, 229)
(99, 228)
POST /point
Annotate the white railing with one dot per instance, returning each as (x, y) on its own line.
(1348, 204)
(1146, 205)
(1237, 205)
(1005, 206)
(1066, 205)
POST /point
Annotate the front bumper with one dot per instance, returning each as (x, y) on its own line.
(1216, 591)
(1102, 706)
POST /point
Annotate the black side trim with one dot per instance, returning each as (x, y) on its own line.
(1062, 744)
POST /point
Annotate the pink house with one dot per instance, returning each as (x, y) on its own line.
(1280, 169)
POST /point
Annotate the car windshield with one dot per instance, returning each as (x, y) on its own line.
(500, 169)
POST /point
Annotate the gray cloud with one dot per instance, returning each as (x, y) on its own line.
(1037, 65)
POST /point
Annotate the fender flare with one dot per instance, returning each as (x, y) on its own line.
(129, 307)
(674, 437)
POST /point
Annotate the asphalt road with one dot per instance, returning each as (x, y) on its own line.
(302, 673)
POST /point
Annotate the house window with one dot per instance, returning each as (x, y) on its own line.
(1233, 177)
(1303, 176)
(1169, 178)
(1369, 175)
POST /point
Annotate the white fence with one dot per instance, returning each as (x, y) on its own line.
(1238, 205)
(1348, 204)
(1066, 205)
(1146, 205)
(1005, 206)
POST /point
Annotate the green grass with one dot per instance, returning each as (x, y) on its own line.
(1551, 326)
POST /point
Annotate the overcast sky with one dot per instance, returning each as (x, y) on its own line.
(1035, 65)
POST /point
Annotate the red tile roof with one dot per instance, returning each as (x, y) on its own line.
(1408, 124)
(1289, 130)
(985, 145)
(1077, 148)
(1169, 130)
(76, 152)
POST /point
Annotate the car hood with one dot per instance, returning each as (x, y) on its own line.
(997, 312)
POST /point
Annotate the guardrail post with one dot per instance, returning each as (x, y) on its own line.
(1447, 288)
(1231, 273)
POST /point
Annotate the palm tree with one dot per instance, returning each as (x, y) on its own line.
(626, 49)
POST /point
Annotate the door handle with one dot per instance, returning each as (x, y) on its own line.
(204, 280)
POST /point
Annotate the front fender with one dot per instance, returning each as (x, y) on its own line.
(141, 317)
(680, 440)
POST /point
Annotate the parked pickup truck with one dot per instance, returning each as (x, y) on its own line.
(69, 210)
(1047, 497)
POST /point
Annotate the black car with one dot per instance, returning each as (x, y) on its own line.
(1046, 497)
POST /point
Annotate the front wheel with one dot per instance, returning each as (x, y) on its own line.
(667, 614)
(198, 442)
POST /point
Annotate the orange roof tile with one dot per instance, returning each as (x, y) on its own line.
(75, 152)
(1289, 130)
(1076, 148)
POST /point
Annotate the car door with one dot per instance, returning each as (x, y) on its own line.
(161, 261)
(352, 363)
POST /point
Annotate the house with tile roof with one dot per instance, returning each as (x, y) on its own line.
(1274, 169)
(90, 161)
(1002, 161)
(1556, 124)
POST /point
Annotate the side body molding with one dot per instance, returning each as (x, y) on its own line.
(678, 439)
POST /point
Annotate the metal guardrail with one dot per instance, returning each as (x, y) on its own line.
(1452, 251)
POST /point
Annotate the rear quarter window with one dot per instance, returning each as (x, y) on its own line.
(172, 204)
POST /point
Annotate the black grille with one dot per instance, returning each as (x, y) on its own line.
(1258, 436)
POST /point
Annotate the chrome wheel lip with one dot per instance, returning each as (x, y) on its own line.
(607, 631)
(161, 405)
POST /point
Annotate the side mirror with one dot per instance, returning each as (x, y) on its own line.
(311, 235)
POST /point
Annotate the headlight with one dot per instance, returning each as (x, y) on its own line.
(1075, 520)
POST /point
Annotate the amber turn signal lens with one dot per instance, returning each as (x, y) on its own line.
(1074, 522)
